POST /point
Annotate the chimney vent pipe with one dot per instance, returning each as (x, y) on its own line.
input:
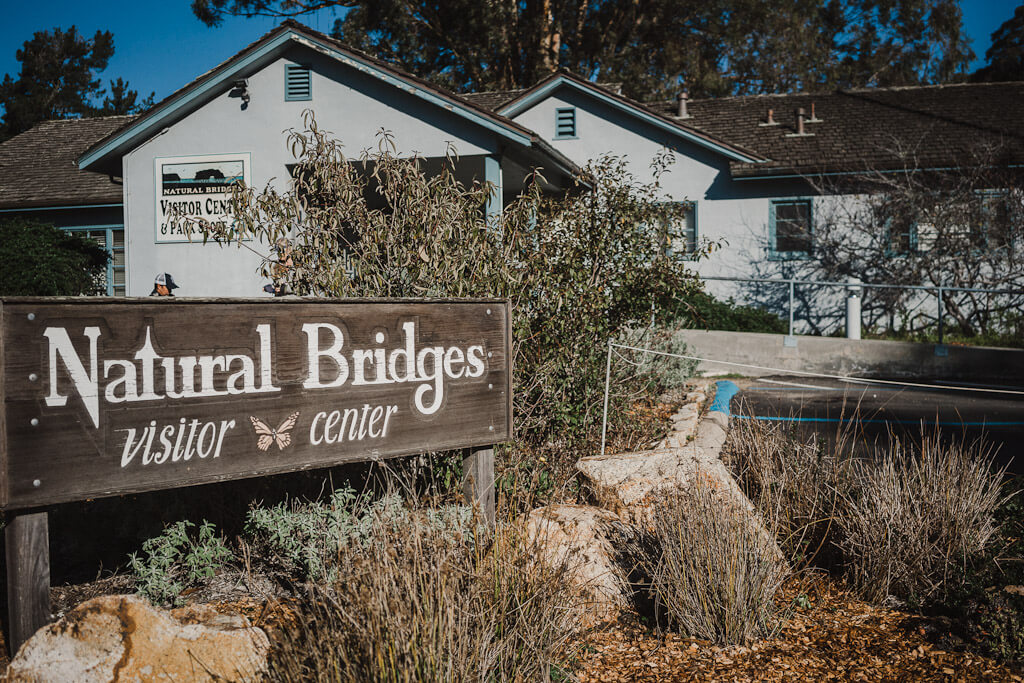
(681, 109)
(771, 117)
(801, 113)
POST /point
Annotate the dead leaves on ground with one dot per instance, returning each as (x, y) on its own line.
(836, 639)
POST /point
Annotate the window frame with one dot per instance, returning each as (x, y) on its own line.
(690, 248)
(108, 245)
(774, 254)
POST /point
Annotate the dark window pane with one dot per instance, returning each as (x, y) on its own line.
(793, 226)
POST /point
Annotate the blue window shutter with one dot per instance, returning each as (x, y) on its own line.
(565, 123)
(298, 83)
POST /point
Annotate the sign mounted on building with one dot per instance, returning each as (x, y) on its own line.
(104, 398)
(196, 187)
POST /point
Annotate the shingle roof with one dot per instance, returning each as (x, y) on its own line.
(494, 99)
(38, 167)
(867, 129)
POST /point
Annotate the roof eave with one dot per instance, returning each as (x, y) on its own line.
(540, 91)
(146, 125)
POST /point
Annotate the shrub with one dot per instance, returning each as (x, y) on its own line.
(578, 269)
(799, 483)
(431, 602)
(717, 577)
(703, 311)
(914, 520)
(306, 540)
(178, 559)
(41, 260)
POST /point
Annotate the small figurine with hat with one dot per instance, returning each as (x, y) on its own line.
(163, 285)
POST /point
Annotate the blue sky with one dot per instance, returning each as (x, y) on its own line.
(160, 46)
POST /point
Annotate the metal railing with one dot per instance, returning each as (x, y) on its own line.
(854, 288)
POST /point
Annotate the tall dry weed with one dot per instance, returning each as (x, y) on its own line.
(717, 576)
(917, 516)
(798, 482)
(420, 602)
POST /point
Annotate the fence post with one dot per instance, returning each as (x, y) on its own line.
(607, 383)
(791, 288)
(853, 312)
(942, 307)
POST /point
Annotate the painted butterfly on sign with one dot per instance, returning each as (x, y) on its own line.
(268, 436)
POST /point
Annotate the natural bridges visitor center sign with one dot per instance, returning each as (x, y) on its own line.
(106, 397)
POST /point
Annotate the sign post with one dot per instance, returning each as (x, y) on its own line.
(106, 397)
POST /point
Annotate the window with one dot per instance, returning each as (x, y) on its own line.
(110, 237)
(683, 238)
(565, 123)
(298, 83)
(789, 225)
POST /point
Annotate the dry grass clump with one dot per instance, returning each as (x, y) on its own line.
(902, 521)
(797, 483)
(914, 518)
(716, 577)
(423, 602)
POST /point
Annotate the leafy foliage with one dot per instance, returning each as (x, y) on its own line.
(58, 80)
(1005, 57)
(579, 270)
(177, 559)
(702, 310)
(41, 260)
(654, 48)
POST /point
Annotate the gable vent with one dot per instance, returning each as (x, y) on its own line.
(565, 123)
(298, 83)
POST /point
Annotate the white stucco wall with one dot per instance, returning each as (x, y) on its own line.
(734, 213)
(353, 105)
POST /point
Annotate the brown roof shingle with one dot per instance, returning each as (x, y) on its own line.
(868, 129)
(38, 167)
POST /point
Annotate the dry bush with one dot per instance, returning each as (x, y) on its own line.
(717, 577)
(796, 482)
(915, 519)
(425, 602)
(902, 521)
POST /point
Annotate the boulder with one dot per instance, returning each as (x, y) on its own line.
(124, 638)
(627, 483)
(579, 533)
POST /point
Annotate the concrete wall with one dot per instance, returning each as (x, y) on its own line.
(352, 105)
(735, 213)
(856, 358)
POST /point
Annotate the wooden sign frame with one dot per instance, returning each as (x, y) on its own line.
(104, 397)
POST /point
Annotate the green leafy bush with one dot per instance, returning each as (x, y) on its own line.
(305, 540)
(41, 260)
(178, 559)
(579, 269)
(700, 310)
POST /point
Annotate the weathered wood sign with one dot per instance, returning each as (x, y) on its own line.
(105, 397)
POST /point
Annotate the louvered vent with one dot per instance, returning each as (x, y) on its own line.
(565, 123)
(298, 83)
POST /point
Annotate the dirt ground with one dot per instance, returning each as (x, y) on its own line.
(832, 638)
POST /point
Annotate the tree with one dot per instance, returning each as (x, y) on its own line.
(1005, 57)
(58, 80)
(41, 260)
(380, 226)
(654, 47)
(957, 228)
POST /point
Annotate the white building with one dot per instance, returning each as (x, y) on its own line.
(744, 162)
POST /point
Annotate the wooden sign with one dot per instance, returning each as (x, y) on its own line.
(103, 397)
